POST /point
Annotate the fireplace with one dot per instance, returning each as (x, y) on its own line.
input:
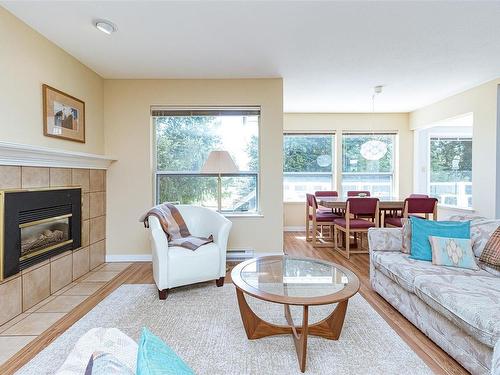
(36, 225)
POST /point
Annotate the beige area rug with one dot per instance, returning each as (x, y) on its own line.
(203, 325)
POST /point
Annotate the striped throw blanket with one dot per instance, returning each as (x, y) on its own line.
(174, 227)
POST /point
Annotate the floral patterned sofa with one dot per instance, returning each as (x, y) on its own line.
(459, 309)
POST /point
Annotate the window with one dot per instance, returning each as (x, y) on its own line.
(450, 177)
(184, 138)
(368, 163)
(307, 164)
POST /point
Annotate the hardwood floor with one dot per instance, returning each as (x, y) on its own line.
(294, 244)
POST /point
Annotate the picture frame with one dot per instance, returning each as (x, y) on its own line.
(63, 115)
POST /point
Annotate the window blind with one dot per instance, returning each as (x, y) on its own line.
(200, 111)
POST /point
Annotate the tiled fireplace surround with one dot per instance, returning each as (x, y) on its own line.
(20, 292)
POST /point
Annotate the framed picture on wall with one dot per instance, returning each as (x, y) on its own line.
(63, 115)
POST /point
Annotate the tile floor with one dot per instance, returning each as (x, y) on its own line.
(20, 331)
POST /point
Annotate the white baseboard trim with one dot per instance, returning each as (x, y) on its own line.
(129, 258)
(148, 257)
(295, 229)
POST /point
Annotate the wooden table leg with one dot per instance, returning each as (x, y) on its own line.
(299, 335)
(329, 328)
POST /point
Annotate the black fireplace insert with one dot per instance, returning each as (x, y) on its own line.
(36, 225)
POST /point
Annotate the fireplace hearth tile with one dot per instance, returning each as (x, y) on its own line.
(10, 177)
(10, 345)
(60, 177)
(97, 180)
(13, 321)
(81, 177)
(62, 304)
(33, 324)
(39, 304)
(35, 266)
(97, 254)
(85, 233)
(11, 299)
(97, 204)
(36, 286)
(34, 177)
(100, 276)
(97, 229)
(86, 206)
(80, 263)
(61, 272)
(84, 289)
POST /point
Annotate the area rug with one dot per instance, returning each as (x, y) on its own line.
(203, 325)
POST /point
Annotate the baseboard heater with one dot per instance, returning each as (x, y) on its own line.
(239, 255)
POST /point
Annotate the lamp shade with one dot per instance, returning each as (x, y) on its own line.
(219, 162)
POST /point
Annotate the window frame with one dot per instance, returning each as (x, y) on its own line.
(334, 169)
(451, 136)
(395, 166)
(222, 109)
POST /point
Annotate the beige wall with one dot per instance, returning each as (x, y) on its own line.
(27, 60)
(128, 135)
(294, 213)
(482, 102)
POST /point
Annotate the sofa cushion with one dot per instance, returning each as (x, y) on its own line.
(403, 270)
(471, 302)
(421, 229)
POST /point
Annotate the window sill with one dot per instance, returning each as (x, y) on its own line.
(457, 209)
(243, 215)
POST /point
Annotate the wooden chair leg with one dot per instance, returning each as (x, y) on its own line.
(347, 244)
(163, 293)
(335, 234)
(308, 235)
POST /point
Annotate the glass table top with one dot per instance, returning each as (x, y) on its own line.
(294, 277)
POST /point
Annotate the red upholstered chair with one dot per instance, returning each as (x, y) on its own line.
(356, 193)
(357, 208)
(326, 193)
(418, 196)
(316, 220)
(414, 207)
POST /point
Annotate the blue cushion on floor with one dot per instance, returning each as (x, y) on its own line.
(421, 229)
(154, 357)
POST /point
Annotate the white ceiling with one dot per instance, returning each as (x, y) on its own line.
(330, 54)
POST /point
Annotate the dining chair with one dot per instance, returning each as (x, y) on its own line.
(418, 196)
(316, 221)
(357, 208)
(414, 207)
(356, 193)
(326, 193)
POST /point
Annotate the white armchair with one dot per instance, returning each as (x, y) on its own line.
(176, 266)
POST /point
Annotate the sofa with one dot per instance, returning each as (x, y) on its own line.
(458, 309)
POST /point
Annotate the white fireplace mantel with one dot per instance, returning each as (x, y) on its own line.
(19, 154)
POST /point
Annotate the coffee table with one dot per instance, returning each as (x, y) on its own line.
(294, 281)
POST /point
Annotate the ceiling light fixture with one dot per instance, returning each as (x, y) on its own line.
(106, 27)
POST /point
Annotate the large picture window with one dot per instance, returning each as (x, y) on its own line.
(184, 139)
(307, 164)
(450, 177)
(368, 163)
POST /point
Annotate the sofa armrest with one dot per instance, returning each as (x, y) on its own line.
(385, 239)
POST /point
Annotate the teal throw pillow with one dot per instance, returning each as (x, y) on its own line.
(154, 357)
(421, 229)
(453, 252)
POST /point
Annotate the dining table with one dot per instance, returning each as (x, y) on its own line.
(388, 203)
